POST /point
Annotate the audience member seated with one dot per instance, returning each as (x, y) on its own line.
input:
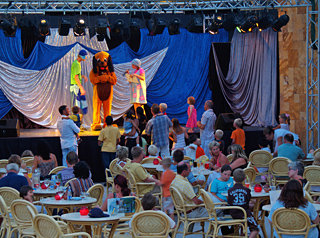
(182, 184)
(139, 173)
(240, 191)
(178, 156)
(221, 185)
(67, 173)
(191, 149)
(218, 159)
(148, 203)
(12, 179)
(17, 160)
(264, 144)
(83, 182)
(316, 159)
(296, 170)
(26, 193)
(166, 179)
(153, 152)
(121, 190)
(44, 161)
(122, 156)
(240, 159)
(27, 153)
(291, 196)
(289, 150)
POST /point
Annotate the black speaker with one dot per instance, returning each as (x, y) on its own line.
(9, 128)
(225, 121)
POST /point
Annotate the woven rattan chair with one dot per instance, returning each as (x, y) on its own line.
(27, 158)
(312, 175)
(250, 174)
(203, 158)
(9, 195)
(29, 162)
(217, 222)
(230, 158)
(278, 168)
(187, 158)
(316, 151)
(149, 160)
(45, 226)
(150, 224)
(96, 191)
(3, 163)
(181, 210)
(291, 222)
(260, 159)
(57, 169)
(8, 225)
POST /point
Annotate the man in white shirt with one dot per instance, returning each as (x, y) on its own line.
(68, 131)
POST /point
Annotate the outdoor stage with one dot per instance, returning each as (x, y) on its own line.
(89, 150)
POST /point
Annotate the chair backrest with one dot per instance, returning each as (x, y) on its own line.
(150, 224)
(132, 181)
(250, 174)
(149, 160)
(68, 182)
(4, 211)
(279, 166)
(312, 174)
(137, 207)
(57, 169)
(29, 162)
(21, 213)
(9, 195)
(260, 158)
(27, 158)
(230, 158)
(178, 200)
(116, 169)
(186, 158)
(291, 222)
(316, 151)
(3, 163)
(97, 191)
(208, 203)
(45, 226)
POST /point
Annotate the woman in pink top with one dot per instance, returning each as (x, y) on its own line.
(218, 158)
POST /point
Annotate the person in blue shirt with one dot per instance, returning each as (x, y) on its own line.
(289, 150)
(12, 179)
(291, 196)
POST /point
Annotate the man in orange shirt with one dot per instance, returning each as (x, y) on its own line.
(238, 136)
(166, 178)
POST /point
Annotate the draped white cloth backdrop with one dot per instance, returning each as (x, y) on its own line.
(38, 94)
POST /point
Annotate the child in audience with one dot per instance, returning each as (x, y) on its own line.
(238, 136)
(166, 178)
(148, 203)
(76, 116)
(264, 144)
(192, 114)
(221, 185)
(240, 195)
(163, 108)
(218, 138)
(284, 122)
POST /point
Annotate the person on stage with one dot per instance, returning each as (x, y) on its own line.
(78, 93)
(138, 88)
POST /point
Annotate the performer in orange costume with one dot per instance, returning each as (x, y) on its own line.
(103, 78)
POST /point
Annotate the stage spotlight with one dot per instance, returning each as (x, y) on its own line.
(80, 28)
(265, 21)
(196, 24)
(118, 26)
(101, 29)
(215, 25)
(64, 27)
(280, 22)
(44, 28)
(155, 26)
(248, 25)
(9, 27)
(174, 26)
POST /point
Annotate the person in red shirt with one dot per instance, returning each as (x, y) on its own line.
(238, 136)
(166, 178)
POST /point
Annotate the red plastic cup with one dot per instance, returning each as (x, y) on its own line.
(155, 161)
(84, 211)
(258, 188)
(206, 165)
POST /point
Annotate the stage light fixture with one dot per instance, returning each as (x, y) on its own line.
(101, 29)
(174, 27)
(80, 28)
(44, 28)
(215, 25)
(155, 26)
(248, 25)
(196, 24)
(280, 22)
(64, 27)
(9, 27)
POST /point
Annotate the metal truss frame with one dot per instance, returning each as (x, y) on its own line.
(312, 76)
(125, 6)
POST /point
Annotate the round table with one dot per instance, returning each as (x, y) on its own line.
(307, 161)
(267, 208)
(95, 223)
(67, 205)
(39, 192)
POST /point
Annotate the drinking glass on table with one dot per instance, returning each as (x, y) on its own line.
(29, 171)
(47, 183)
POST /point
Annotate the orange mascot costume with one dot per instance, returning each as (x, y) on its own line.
(103, 78)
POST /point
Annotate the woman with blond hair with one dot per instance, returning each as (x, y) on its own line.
(239, 159)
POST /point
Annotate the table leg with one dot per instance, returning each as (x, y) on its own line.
(114, 225)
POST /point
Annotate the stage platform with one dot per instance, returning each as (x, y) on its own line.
(88, 149)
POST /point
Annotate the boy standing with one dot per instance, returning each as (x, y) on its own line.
(238, 136)
(218, 137)
(240, 195)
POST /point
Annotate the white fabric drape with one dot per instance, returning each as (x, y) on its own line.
(38, 94)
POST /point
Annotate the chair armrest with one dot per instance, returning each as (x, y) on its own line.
(220, 203)
(57, 217)
(234, 207)
(146, 184)
(82, 234)
(194, 206)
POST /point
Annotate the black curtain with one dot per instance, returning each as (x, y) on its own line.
(223, 52)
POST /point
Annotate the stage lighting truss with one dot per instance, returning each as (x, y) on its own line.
(156, 6)
(80, 28)
(44, 28)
